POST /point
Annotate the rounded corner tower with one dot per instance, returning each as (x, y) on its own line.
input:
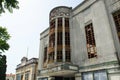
(59, 36)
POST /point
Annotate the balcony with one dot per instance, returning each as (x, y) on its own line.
(63, 69)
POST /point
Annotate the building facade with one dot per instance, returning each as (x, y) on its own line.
(82, 43)
(27, 69)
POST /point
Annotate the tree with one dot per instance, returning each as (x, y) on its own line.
(8, 5)
(4, 37)
(3, 67)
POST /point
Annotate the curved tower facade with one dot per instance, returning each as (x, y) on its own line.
(59, 36)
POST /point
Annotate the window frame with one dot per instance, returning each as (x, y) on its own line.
(90, 41)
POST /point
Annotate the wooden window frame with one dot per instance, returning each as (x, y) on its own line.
(59, 56)
(68, 56)
(52, 40)
(67, 38)
(60, 23)
(90, 40)
(59, 38)
(66, 22)
(52, 24)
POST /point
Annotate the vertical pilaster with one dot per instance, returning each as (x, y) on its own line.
(55, 52)
(63, 37)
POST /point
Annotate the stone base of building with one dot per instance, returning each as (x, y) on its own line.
(103, 71)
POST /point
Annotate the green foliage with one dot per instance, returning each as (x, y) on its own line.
(4, 37)
(8, 5)
(3, 67)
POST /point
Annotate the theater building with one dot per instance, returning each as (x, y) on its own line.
(82, 43)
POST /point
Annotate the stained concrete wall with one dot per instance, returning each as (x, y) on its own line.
(93, 11)
(44, 39)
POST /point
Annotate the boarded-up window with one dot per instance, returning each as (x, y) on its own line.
(90, 39)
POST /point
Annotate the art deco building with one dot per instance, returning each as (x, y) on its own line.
(82, 43)
(27, 69)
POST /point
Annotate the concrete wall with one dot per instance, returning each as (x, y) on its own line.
(111, 7)
(83, 15)
(44, 39)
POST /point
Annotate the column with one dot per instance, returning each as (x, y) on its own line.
(55, 52)
(63, 37)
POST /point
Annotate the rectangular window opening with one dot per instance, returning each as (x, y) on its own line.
(90, 40)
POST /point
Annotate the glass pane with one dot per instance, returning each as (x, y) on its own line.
(100, 75)
(87, 76)
(18, 77)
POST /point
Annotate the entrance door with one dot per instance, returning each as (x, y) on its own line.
(66, 78)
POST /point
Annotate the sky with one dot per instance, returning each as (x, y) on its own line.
(25, 25)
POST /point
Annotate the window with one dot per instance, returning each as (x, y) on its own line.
(68, 57)
(59, 38)
(90, 40)
(45, 54)
(27, 75)
(52, 24)
(116, 17)
(100, 75)
(66, 22)
(18, 77)
(60, 22)
(87, 76)
(51, 57)
(97, 75)
(59, 56)
(67, 38)
(21, 77)
(52, 40)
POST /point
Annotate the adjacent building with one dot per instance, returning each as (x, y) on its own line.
(10, 76)
(82, 43)
(27, 69)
